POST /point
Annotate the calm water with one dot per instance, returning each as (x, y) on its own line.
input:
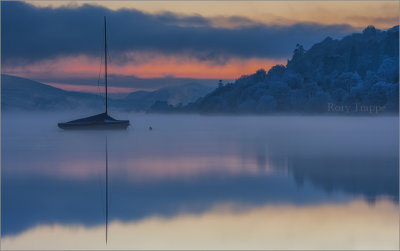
(201, 182)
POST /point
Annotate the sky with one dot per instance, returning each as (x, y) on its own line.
(61, 43)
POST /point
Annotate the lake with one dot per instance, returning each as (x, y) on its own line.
(201, 182)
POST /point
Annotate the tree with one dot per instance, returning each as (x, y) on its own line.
(220, 84)
(298, 52)
(353, 59)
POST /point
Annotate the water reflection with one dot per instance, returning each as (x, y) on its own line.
(322, 226)
(184, 172)
(368, 176)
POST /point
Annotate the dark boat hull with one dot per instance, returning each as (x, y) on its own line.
(95, 126)
(97, 122)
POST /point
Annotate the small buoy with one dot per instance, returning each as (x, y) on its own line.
(150, 128)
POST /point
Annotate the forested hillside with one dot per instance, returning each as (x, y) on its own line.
(361, 69)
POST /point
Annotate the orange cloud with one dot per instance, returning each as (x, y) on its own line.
(152, 67)
(195, 69)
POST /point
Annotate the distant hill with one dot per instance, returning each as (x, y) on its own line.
(361, 69)
(183, 94)
(24, 94)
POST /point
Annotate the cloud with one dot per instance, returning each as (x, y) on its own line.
(374, 20)
(31, 34)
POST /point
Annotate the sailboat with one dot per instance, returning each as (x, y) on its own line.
(102, 120)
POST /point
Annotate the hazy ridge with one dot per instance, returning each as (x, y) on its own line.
(28, 95)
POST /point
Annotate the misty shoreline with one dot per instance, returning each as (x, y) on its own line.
(70, 113)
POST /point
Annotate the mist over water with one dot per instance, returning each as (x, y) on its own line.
(199, 166)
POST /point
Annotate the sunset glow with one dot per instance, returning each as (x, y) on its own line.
(157, 66)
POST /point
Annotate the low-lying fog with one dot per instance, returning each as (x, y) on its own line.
(197, 134)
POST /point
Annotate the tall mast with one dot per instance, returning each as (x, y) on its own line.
(105, 60)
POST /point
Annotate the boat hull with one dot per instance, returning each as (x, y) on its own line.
(100, 121)
(94, 126)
